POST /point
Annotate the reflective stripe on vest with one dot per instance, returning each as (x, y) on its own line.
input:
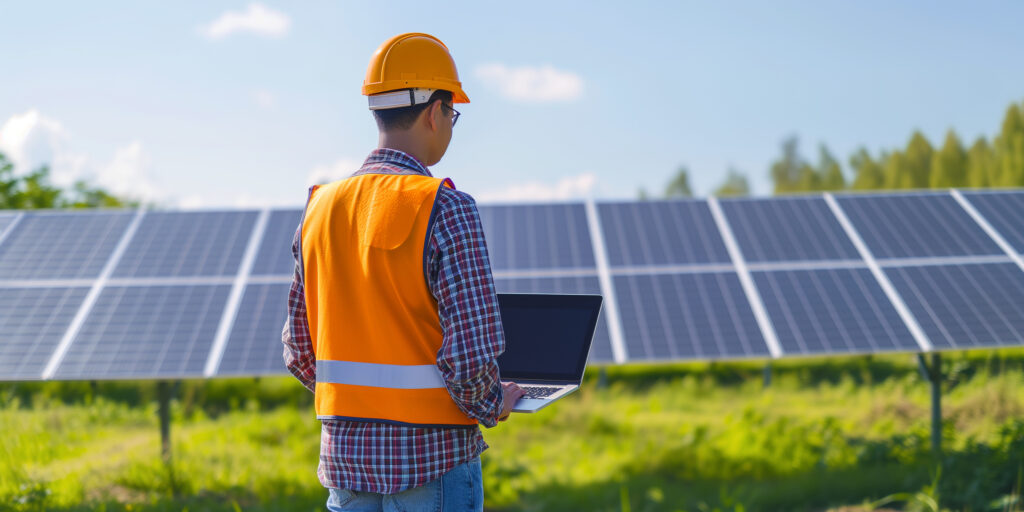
(374, 375)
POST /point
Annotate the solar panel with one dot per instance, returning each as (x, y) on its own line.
(965, 306)
(1005, 212)
(678, 292)
(254, 347)
(687, 316)
(6, 219)
(916, 226)
(32, 322)
(787, 229)
(601, 348)
(64, 245)
(275, 252)
(178, 244)
(661, 233)
(146, 332)
(537, 236)
(831, 311)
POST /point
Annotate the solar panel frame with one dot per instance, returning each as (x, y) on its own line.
(916, 226)
(51, 244)
(275, 256)
(642, 309)
(146, 332)
(661, 233)
(787, 229)
(153, 252)
(981, 303)
(6, 221)
(666, 265)
(254, 346)
(528, 228)
(810, 307)
(1002, 210)
(32, 322)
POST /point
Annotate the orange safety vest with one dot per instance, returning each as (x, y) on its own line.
(372, 318)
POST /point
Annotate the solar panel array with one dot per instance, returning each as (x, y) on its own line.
(175, 294)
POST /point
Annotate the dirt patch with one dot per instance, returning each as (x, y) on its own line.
(116, 493)
(904, 412)
(861, 509)
(998, 405)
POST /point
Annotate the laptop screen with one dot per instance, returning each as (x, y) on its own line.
(547, 336)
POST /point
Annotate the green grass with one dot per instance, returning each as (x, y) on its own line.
(698, 437)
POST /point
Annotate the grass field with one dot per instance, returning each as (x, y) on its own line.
(844, 434)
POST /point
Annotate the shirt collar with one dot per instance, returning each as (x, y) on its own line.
(395, 157)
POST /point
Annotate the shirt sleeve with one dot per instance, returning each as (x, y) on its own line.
(298, 346)
(460, 279)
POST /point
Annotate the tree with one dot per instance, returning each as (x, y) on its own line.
(34, 190)
(809, 180)
(680, 184)
(829, 171)
(8, 184)
(735, 185)
(894, 170)
(867, 173)
(980, 164)
(789, 171)
(1009, 150)
(949, 164)
(917, 162)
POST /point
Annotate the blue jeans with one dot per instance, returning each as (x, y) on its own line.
(461, 489)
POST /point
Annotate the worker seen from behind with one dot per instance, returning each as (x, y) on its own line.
(393, 319)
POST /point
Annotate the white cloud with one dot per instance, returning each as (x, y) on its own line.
(32, 139)
(341, 168)
(192, 202)
(255, 19)
(532, 84)
(573, 187)
(126, 175)
(264, 98)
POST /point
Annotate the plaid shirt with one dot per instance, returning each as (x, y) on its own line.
(384, 458)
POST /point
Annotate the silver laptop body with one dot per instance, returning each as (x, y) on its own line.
(547, 342)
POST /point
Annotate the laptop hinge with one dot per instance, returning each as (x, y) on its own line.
(542, 382)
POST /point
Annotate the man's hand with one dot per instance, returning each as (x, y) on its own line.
(510, 393)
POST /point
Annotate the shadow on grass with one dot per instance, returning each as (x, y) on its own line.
(812, 491)
(972, 478)
(229, 500)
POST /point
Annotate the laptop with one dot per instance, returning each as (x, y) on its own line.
(547, 341)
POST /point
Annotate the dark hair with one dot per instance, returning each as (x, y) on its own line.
(404, 117)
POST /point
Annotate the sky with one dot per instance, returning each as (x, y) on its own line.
(244, 104)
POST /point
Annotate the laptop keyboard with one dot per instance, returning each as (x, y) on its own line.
(540, 391)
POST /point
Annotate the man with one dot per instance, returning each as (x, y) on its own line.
(394, 321)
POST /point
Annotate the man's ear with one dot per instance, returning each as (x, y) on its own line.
(431, 114)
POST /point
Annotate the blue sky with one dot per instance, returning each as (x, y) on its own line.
(203, 104)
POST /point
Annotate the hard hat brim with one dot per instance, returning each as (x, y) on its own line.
(458, 95)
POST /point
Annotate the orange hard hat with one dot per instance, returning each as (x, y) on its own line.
(413, 61)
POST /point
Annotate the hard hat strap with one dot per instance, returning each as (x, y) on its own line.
(400, 98)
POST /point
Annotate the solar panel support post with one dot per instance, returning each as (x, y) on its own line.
(933, 373)
(163, 393)
(767, 375)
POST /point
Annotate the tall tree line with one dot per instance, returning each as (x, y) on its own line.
(919, 165)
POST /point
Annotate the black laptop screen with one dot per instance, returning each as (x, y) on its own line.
(547, 337)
